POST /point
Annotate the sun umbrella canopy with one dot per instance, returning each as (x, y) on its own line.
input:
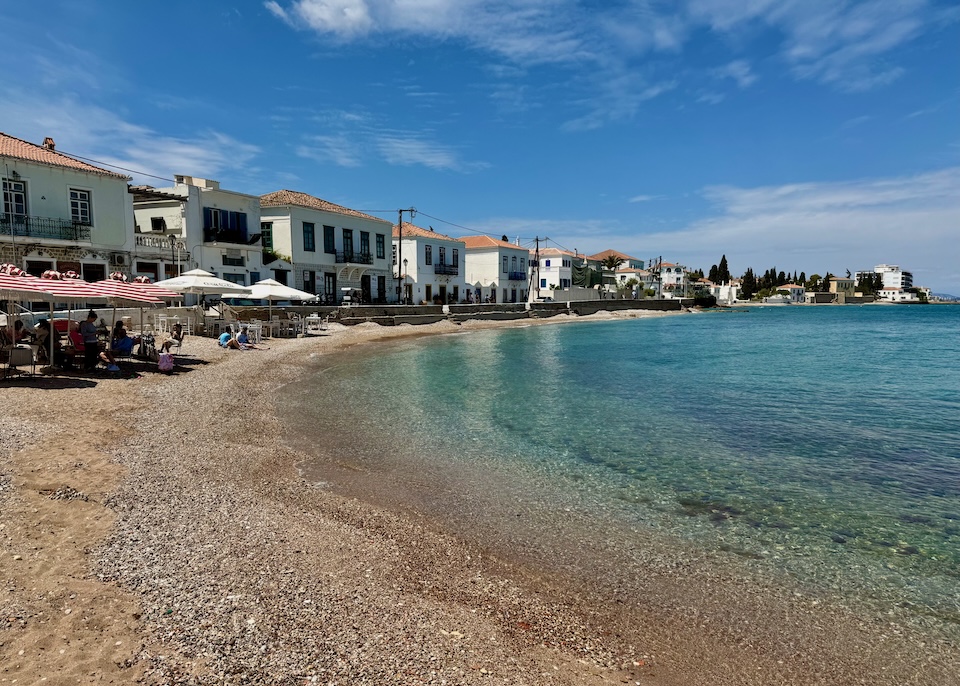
(122, 293)
(200, 282)
(271, 290)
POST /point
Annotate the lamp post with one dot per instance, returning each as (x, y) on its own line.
(403, 298)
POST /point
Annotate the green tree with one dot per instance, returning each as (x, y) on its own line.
(714, 274)
(748, 284)
(723, 271)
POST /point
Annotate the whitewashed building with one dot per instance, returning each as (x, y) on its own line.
(62, 213)
(726, 293)
(553, 270)
(197, 224)
(429, 265)
(897, 295)
(795, 293)
(496, 270)
(673, 280)
(331, 247)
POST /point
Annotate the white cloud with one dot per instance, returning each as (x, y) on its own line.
(739, 71)
(643, 198)
(406, 152)
(336, 149)
(103, 135)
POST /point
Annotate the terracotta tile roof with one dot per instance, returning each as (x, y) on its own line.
(632, 270)
(298, 199)
(555, 252)
(611, 253)
(414, 231)
(789, 285)
(477, 242)
(29, 152)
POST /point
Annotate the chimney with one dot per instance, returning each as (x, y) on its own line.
(49, 144)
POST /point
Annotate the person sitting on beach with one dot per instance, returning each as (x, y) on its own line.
(121, 344)
(244, 340)
(61, 359)
(20, 332)
(227, 341)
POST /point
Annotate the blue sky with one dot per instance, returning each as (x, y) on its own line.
(810, 135)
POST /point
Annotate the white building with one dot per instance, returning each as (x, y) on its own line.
(554, 270)
(893, 276)
(673, 280)
(727, 293)
(197, 224)
(62, 213)
(645, 279)
(896, 295)
(429, 264)
(795, 293)
(331, 247)
(495, 270)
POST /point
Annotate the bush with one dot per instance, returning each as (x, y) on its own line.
(705, 301)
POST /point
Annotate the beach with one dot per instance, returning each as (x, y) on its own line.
(158, 530)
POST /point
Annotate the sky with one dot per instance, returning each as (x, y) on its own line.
(806, 135)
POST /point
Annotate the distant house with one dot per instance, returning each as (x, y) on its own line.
(795, 293)
(897, 295)
(429, 264)
(495, 270)
(645, 279)
(555, 270)
(841, 287)
(728, 293)
(332, 247)
(673, 280)
(62, 213)
(628, 262)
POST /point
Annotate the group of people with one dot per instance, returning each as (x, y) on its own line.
(240, 342)
(86, 337)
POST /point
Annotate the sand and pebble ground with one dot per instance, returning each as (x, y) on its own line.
(157, 530)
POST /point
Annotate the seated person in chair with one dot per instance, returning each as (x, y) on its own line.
(244, 340)
(177, 335)
(121, 343)
(60, 358)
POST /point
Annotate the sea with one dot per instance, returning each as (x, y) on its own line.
(815, 447)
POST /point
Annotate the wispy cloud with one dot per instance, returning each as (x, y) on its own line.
(103, 135)
(408, 152)
(643, 198)
(738, 70)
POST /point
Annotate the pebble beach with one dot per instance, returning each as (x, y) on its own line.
(156, 529)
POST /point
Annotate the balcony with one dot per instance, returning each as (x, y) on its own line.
(516, 276)
(223, 236)
(43, 227)
(447, 269)
(350, 257)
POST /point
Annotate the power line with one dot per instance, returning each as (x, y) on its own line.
(115, 166)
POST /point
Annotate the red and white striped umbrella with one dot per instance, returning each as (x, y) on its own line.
(145, 285)
(123, 293)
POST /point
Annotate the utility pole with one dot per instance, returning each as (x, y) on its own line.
(536, 257)
(413, 213)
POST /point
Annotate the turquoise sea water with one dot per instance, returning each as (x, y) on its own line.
(821, 444)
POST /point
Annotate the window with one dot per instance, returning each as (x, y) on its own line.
(266, 236)
(254, 277)
(329, 240)
(543, 283)
(309, 239)
(381, 247)
(546, 263)
(456, 257)
(513, 263)
(309, 281)
(14, 197)
(348, 242)
(80, 207)
(523, 264)
(428, 255)
(443, 255)
(158, 224)
(224, 225)
(233, 258)
(504, 264)
(364, 243)
(394, 246)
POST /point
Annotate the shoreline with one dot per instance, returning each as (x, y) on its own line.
(229, 567)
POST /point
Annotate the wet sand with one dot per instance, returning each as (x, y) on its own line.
(168, 516)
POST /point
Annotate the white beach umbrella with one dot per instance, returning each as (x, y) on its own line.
(200, 282)
(272, 291)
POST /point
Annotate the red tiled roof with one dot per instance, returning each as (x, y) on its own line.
(29, 152)
(488, 242)
(554, 252)
(298, 199)
(414, 231)
(611, 253)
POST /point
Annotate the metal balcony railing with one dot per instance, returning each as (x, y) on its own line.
(448, 269)
(516, 276)
(43, 227)
(350, 257)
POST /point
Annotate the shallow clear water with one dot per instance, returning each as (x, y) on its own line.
(820, 443)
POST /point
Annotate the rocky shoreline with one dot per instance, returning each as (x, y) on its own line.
(196, 553)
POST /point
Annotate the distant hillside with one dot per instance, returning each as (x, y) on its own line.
(946, 296)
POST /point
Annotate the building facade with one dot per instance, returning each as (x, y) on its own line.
(496, 270)
(429, 265)
(62, 213)
(334, 250)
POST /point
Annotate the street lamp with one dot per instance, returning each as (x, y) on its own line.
(404, 295)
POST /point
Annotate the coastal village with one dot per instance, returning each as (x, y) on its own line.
(63, 214)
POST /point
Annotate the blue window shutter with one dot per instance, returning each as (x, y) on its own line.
(207, 217)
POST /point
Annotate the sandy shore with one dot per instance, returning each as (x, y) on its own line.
(156, 530)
